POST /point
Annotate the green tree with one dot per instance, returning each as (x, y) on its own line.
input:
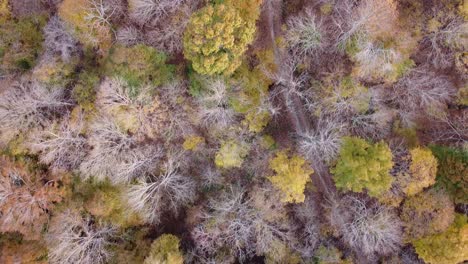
(291, 176)
(20, 42)
(449, 247)
(427, 213)
(362, 165)
(216, 38)
(452, 171)
(139, 65)
(165, 250)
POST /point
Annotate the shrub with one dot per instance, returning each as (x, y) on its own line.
(449, 247)
(216, 38)
(21, 43)
(427, 213)
(26, 199)
(362, 165)
(165, 249)
(139, 65)
(291, 176)
(452, 171)
(231, 154)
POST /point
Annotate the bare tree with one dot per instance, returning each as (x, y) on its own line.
(442, 43)
(62, 148)
(422, 93)
(25, 199)
(305, 33)
(214, 105)
(371, 229)
(128, 35)
(324, 141)
(58, 40)
(151, 11)
(242, 224)
(309, 234)
(29, 104)
(168, 34)
(116, 154)
(73, 238)
(167, 192)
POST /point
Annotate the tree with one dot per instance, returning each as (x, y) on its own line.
(30, 104)
(62, 147)
(323, 142)
(151, 11)
(305, 34)
(449, 247)
(427, 213)
(21, 43)
(366, 227)
(89, 22)
(165, 250)
(139, 65)
(363, 166)
(291, 176)
(58, 41)
(26, 198)
(452, 171)
(167, 192)
(423, 169)
(116, 155)
(235, 224)
(231, 154)
(73, 238)
(216, 38)
(214, 103)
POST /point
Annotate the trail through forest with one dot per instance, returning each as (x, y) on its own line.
(291, 101)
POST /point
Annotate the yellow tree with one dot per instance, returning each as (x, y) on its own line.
(423, 170)
(363, 165)
(165, 250)
(216, 38)
(291, 176)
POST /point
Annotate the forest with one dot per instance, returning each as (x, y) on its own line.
(233, 131)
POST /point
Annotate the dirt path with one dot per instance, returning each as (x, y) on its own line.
(298, 119)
